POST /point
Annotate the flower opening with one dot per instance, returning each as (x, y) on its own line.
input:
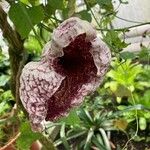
(72, 66)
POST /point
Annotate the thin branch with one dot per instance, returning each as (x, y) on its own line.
(12, 36)
(92, 12)
(16, 53)
(124, 29)
(15, 47)
(127, 20)
(10, 142)
(46, 27)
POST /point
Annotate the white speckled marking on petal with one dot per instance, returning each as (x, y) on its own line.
(35, 82)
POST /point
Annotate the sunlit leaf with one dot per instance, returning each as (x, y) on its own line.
(120, 124)
(85, 15)
(72, 118)
(3, 106)
(25, 18)
(122, 91)
(63, 137)
(142, 123)
(32, 45)
(27, 137)
(71, 7)
(4, 79)
(6, 95)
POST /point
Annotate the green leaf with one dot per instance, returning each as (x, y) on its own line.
(71, 7)
(25, 2)
(105, 138)
(106, 4)
(63, 137)
(144, 53)
(121, 124)
(3, 106)
(113, 40)
(127, 55)
(25, 18)
(144, 99)
(32, 45)
(85, 117)
(122, 91)
(72, 118)
(85, 15)
(90, 3)
(34, 2)
(75, 135)
(4, 79)
(27, 137)
(5, 96)
(128, 109)
(125, 72)
(88, 139)
(53, 5)
(142, 123)
(98, 141)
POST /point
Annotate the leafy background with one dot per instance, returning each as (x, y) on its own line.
(119, 108)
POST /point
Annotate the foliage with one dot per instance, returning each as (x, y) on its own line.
(125, 83)
(27, 137)
(93, 126)
(124, 76)
(29, 16)
(122, 103)
(113, 40)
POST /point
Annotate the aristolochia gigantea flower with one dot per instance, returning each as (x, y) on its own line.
(72, 66)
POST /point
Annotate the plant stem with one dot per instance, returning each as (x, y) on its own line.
(10, 142)
(15, 48)
(92, 13)
(137, 124)
(127, 20)
(124, 29)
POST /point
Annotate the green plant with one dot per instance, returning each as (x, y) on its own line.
(128, 80)
(123, 77)
(91, 131)
(120, 103)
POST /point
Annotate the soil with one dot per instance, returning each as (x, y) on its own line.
(119, 140)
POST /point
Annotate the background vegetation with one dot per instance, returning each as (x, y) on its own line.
(116, 116)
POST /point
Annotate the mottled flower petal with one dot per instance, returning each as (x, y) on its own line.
(38, 82)
(101, 56)
(72, 66)
(67, 32)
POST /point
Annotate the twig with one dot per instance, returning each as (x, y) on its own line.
(127, 20)
(137, 125)
(92, 12)
(124, 29)
(46, 27)
(10, 142)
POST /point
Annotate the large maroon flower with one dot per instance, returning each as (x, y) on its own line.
(72, 66)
